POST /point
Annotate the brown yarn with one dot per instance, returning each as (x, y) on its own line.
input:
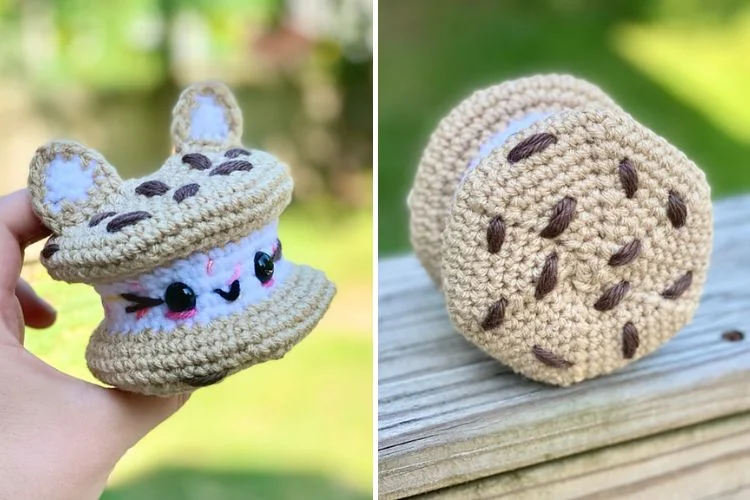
(733, 336)
(562, 214)
(152, 188)
(548, 277)
(630, 340)
(626, 254)
(495, 315)
(197, 161)
(95, 220)
(228, 167)
(676, 209)
(549, 358)
(235, 152)
(206, 380)
(495, 234)
(186, 191)
(125, 220)
(628, 177)
(50, 249)
(531, 145)
(678, 287)
(612, 296)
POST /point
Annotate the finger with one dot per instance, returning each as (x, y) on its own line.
(37, 313)
(135, 415)
(18, 227)
(16, 215)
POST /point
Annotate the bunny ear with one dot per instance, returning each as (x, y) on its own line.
(206, 115)
(69, 183)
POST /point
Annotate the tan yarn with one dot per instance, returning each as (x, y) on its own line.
(580, 245)
(457, 140)
(212, 192)
(159, 364)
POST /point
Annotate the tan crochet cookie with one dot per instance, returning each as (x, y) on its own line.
(469, 129)
(188, 261)
(578, 245)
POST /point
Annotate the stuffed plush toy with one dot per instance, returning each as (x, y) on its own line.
(187, 261)
(569, 240)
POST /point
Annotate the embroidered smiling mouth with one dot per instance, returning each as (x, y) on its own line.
(232, 294)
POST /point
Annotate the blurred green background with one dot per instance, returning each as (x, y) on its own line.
(681, 67)
(107, 74)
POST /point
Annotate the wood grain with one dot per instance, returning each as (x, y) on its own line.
(704, 461)
(449, 414)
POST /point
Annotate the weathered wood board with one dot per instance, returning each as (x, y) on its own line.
(449, 414)
(705, 461)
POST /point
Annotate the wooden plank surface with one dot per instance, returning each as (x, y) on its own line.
(449, 414)
(704, 461)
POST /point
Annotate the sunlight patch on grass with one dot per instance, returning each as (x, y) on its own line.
(705, 65)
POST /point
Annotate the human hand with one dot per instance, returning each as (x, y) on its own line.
(60, 437)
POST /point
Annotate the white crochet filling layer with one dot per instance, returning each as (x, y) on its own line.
(498, 139)
(207, 120)
(67, 180)
(203, 272)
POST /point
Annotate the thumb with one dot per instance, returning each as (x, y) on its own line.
(132, 415)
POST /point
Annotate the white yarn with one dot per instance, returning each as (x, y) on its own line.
(498, 140)
(194, 272)
(207, 120)
(67, 180)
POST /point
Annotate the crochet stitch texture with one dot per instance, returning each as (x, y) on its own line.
(187, 260)
(580, 244)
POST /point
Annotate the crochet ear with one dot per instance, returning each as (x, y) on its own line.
(69, 183)
(206, 115)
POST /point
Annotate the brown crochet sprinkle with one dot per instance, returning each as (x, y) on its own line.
(548, 277)
(628, 177)
(612, 296)
(235, 152)
(531, 145)
(678, 287)
(205, 380)
(197, 161)
(50, 249)
(676, 210)
(495, 234)
(186, 191)
(630, 340)
(495, 315)
(126, 219)
(228, 167)
(549, 358)
(562, 214)
(95, 220)
(733, 336)
(151, 188)
(626, 254)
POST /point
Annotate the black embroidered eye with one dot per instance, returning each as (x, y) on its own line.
(263, 267)
(179, 297)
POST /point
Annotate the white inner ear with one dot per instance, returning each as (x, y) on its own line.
(208, 121)
(67, 180)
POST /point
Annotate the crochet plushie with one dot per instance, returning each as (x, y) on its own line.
(187, 261)
(569, 240)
